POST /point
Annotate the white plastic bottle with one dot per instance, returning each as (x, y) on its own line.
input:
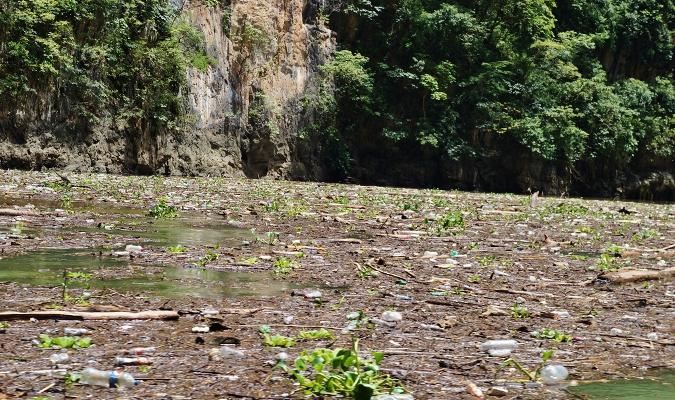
(139, 351)
(76, 331)
(59, 358)
(228, 352)
(553, 373)
(113, 379)
(499, 344)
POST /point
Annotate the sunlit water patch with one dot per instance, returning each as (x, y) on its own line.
(46, 268)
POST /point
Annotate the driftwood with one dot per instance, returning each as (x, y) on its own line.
(15, 212)
(83, 315)
(636, 275)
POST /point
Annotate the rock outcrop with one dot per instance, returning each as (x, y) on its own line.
(244, 109)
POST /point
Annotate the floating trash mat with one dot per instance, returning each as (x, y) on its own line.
(660, 387)
(85, 268)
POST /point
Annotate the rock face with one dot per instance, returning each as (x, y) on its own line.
(245, 108)
(247, 113)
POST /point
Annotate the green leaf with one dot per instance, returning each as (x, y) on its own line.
(364, 391)
(64, 341)
(300, 364)
(377, 355)
(546, 355)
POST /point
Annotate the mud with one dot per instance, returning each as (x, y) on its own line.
(453, 261)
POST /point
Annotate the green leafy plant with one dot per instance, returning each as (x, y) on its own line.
(271, 206)
(70, 378)
(163, 210)
(518, 311)
(452, 221)
(554, 335)
(473, 246)
(339, 304)
(272, 238)
(320, 334)
(531, 375)
(283, 267)
(4, 324)
(607, 262)
(488, 260)
(341, 372)
(278, 340)
(176, 249)
(64, 342)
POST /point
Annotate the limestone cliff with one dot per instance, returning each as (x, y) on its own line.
(244, 109)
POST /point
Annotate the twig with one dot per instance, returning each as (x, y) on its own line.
(386, 273)
(80, 315)
(289, 326)
(51, 385)
(452, 303)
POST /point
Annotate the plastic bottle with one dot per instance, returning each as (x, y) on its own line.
(499, 352)
(561, 314)
(139, 351)
(228, 352)
(133, 248)
(59, 358)
(498, 344)
(392, 316)
(132, 361)
(113, 379)
(76, 331)
(395, 396)
(553, 373)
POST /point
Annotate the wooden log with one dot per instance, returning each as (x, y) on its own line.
(15, 212)
(84, 315)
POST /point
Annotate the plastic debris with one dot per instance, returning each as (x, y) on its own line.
(228, 352)
(553, 373)
(475, 390)
(59, 358)
(112, 379)
(133, 248)
(392, 316)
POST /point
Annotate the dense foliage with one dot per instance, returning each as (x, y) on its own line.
(571, 81)
(119, 58)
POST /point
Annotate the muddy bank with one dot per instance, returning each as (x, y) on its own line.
(461, 268)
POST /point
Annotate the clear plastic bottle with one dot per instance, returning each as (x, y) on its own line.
(113, 379)
(394, 396)
(553, 373)
(132, 361)
(498, 344)
(139, 351)
(131, 248)
(59, 358)
(228, 352)
(392, 316)
(76, 331)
